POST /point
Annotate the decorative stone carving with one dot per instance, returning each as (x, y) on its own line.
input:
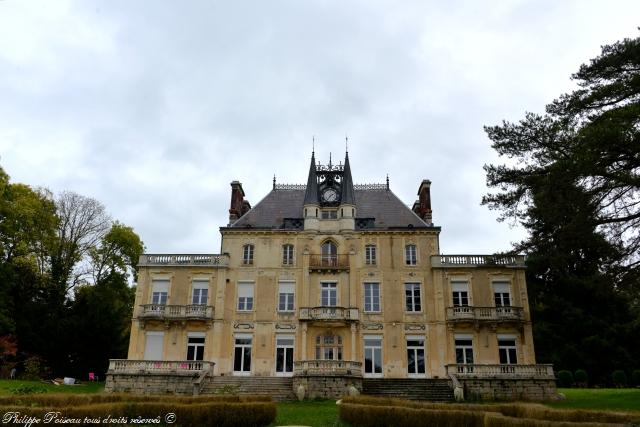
(300, 391)
(371, 326)
(243, 326)
(414, 327)
(289, 326)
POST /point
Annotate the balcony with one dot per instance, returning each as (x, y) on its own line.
(485, 314)
(458, 261)
(324, 263)
(175, 313)
(178, 367)
(184, 260)
(329, 314)
(322, 368)
(464, 371)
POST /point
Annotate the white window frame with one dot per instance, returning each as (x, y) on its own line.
(288, 251)
(416, 350)
(511, 350)
(196, 346)
(330, 288)
(160, 291)
(411, 254)
(288, 290)
(371, 348)
(371, 300)
(413, 307)
(242, 347)
(146, 348)
(464, 347)
(248, 252)
(324, 348)
(287, 347)
(245, 296)
(502, 293)
(199, 285)
(370, 254)
(460, 290)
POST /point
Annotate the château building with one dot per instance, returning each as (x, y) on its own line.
(327, 288)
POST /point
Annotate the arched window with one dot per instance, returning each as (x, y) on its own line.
(247, 254)
(329, 254)
(328, 347)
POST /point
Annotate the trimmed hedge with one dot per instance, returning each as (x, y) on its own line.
(523, 411)
(218, 413)
(565, 379)
(382, 416)
(89, 399)
(619, 378)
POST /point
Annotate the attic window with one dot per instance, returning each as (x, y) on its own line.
(329, 214)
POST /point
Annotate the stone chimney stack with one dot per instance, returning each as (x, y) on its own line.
(239, 206)
(422, 206)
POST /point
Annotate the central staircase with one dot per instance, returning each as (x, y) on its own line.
(433, 390)
(279, 388)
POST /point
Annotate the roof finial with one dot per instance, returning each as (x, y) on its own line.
(387, 181)
(329, 160)
(313, 145)
(346, 144)
(274, 181)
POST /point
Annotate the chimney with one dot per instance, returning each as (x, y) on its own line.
(238, 207)
(422, 206)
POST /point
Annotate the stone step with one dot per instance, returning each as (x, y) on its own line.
(437, 390)
(279, 388)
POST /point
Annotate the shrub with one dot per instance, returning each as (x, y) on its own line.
(619, 378)
(33, 368)
(565, 379)
(379, 416)
(635, 377)
(27, 389)
(581, 377)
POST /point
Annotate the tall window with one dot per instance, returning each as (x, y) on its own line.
(328, 347)
(370, 255)
(247, 254)
(507, 351)
(329, 254)
(284, 355)
(328, 294)
(200, 294)
(460, 293)
(372, 297)
(245, 296)
(160, 292)
(415, 356)
(195, 346)
(373, 356)
(286, 296)
(501, 294)
(464, 349)
(412, 296)
(287, 254)
(410, 255)
(242, 354)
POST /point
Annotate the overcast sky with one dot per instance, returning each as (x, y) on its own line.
(154, 107)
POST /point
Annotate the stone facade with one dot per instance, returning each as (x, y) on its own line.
(509, 389)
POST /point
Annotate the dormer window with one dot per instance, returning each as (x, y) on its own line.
(247, 254)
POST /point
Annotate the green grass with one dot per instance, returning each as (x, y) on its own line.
(21, 386)
(614, 399)
(315, 413)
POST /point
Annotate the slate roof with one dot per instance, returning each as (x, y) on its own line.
(387, 209)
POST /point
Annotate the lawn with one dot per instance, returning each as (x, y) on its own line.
(21, 386)
(618, 399)
(315, 413)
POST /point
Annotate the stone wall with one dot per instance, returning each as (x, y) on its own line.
(509, 389)
(150, 383)
(333, 387)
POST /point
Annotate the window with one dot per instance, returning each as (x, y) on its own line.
(329, 294)
(501, 294)
(286, 296)
(329, 254)
(195, 346)
(464, 349)
(245, 296)
(154, 342)
(284, 355)
(372, 297)
(460, 292)
(160, 293)
(329, 214)
(373, 356)
(242, 354)
(415, 356)
(412, 296)
(507, 350)
(287, 255)
(200, 294)
(410, 255)
(247, 254)
(328, 347)
(370, 255)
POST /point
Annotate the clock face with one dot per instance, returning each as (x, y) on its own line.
(329, 195)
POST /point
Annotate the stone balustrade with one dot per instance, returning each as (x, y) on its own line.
(490, 314)
(175, 312)
(478, 261)
(131, 367)
(327, 368)
(177, 260)
(329, 313)
(329, 262)
(501, 371)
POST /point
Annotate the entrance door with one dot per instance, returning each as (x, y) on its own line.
(284, 355)
(153, 345)
(373, 356)
(415, 357)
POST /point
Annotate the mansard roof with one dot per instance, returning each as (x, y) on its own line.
(376, 203)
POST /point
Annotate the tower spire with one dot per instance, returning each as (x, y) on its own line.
(311, 193)
(348, 196)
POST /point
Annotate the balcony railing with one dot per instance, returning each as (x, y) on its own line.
(327, 368)
(329, 313)
(501, 371)
(478, 261)
(329, 262)
(184, 367)
(492, 314)
(176, 260)
(176, 312)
